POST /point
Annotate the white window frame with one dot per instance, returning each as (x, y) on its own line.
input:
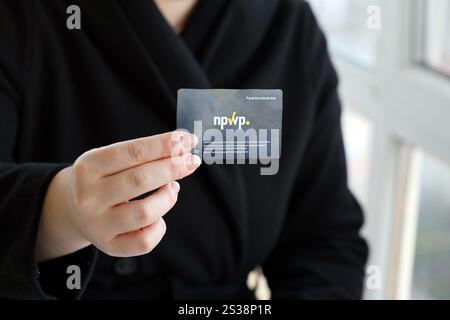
(409, 106)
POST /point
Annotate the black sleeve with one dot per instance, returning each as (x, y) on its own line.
(320, 254)
(23, 186)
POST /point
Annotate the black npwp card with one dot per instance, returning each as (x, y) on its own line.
(232, 124)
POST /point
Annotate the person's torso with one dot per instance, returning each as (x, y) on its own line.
(117, 78)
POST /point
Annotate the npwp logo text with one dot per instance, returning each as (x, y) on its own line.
(234, 120)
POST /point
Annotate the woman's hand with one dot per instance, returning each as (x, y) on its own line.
(89, 202)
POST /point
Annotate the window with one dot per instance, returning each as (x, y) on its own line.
(432, 251)
(358, 135)
(398, 109)
(345, 21)
(436, 35)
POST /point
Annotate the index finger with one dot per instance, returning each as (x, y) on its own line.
(120, 156)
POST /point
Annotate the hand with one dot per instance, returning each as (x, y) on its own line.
(89, 202)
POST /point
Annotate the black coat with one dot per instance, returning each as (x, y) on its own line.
(63, 92)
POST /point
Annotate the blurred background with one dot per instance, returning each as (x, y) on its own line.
(393, 60)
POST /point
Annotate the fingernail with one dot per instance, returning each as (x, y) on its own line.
(195, 162)
(194, 140)
(175, 186)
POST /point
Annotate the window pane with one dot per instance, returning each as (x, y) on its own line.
(431, 279)
(358, 136)
(436, 46)
(345, 23)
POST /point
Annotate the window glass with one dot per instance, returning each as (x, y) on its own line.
(358, 136)
(431, 278)
(352, 26)
(436, 35)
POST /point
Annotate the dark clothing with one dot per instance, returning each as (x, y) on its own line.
(63, 92)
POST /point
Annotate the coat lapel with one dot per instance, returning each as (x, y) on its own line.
(102, 25)
(173, 61)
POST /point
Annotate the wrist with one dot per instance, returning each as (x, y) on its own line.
(58, 234)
